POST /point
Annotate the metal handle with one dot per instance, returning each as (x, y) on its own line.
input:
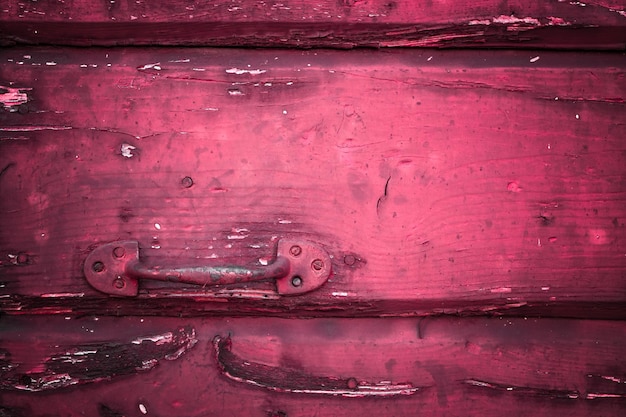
(299, 267)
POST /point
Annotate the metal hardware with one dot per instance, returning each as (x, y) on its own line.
(299, 267)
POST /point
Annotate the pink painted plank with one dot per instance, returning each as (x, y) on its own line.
(438, 181)
(444, 366)
(325, 23)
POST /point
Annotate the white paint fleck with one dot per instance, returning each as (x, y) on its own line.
(507, 20)
(290, 83)
(339, 294)
(545, 288)
(235, 92)
(614, 379)
(127, 150)
(577, 117)
(534, 59)
(157, 226)
(155, 66)
(143, 409)
(51, 63)
(284, 221)
(63, 294)
(539, 242)
(593, 395)
(263, 261)
(501, 290)
(159, 340)
(284, 111)
(198, 69)
(236, 237)
(429, 58)
(479, 22)
(244, 71)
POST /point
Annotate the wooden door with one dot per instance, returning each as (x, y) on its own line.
(465, 208)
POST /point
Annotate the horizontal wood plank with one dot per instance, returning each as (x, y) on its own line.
(321, 23)
(474, 366)
(438, 181)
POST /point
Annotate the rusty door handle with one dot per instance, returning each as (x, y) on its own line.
(299, 266)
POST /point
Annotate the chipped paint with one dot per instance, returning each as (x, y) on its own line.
(126, 150)
(12, 98)
(158, 339)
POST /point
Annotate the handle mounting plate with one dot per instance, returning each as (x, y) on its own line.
(109, 268)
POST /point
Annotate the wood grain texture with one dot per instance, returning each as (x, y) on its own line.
(439, 181)
(321, 23)
(464, 367)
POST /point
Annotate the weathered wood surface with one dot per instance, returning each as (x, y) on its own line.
(599, 24)
(439, 181)
(455, 367)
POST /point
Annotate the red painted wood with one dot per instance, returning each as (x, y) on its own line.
(598, 24)
(466, 366)
(439, 182)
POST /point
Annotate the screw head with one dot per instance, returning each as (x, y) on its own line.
(119, 252)
(296, 281)
(119, 283)
(97, 266)
(317, 264)
(349, 260)
(187, 182)
(295, 250)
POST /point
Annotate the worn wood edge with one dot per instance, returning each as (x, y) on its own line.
(348, 36)
(236, 304)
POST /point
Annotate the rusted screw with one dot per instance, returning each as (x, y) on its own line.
(295, 250)
(317, 264)
(187, 182)
(97, 266)
(119, 252)
(296, 281)
(119, 283)
(349, 260)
